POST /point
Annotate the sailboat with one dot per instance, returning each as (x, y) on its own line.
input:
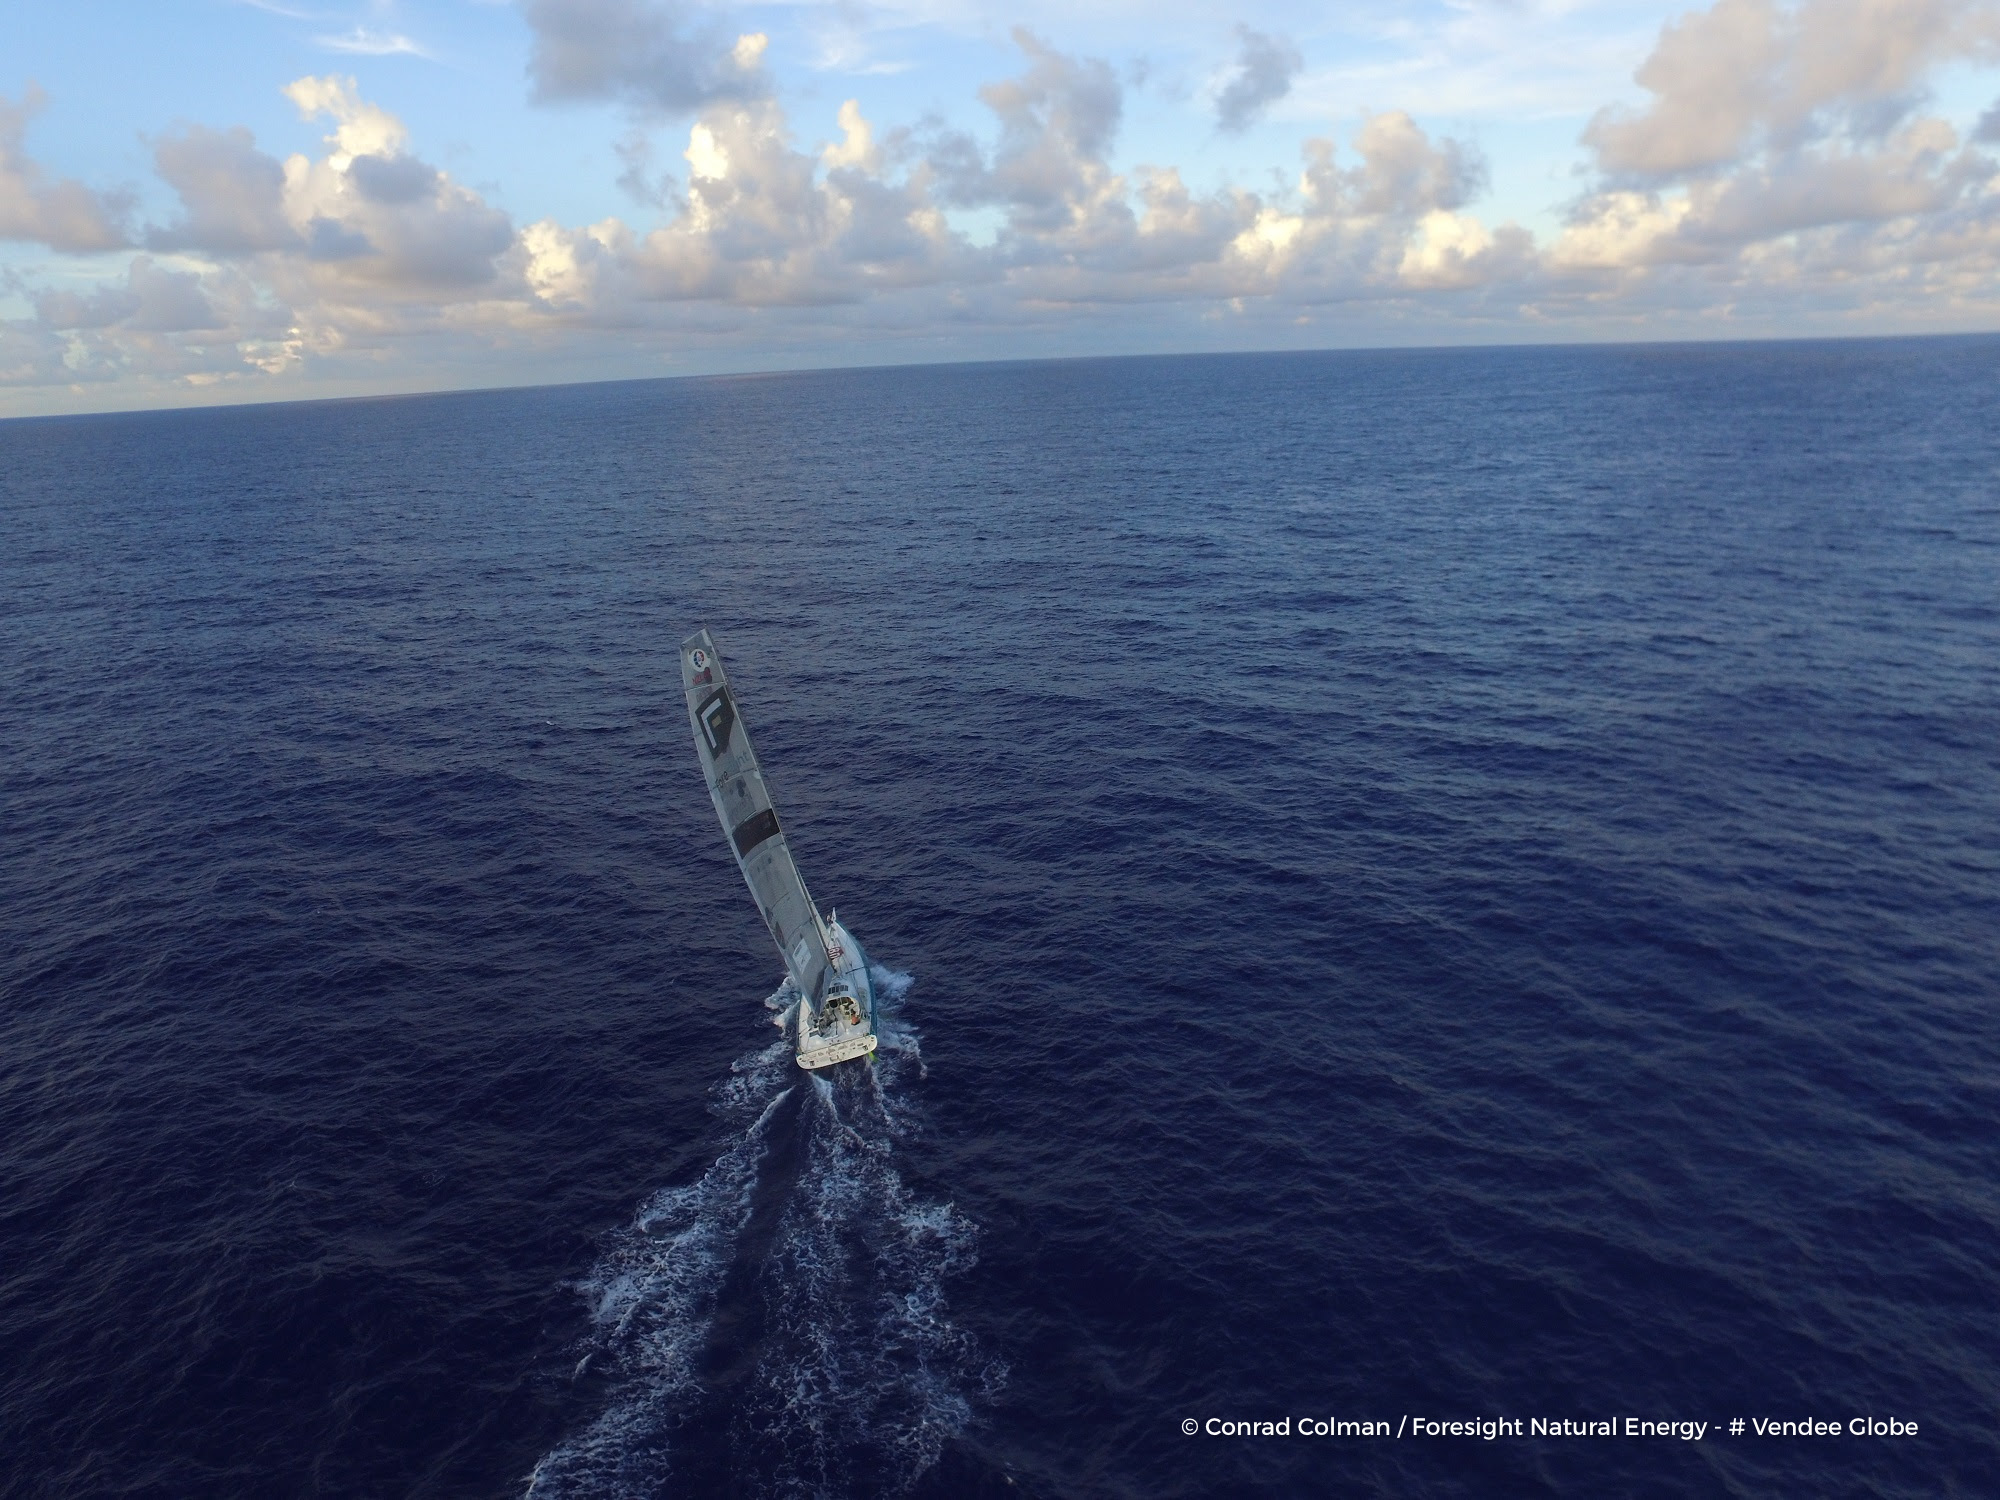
(836, 1008)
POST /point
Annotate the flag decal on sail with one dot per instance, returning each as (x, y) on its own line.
(754, 830)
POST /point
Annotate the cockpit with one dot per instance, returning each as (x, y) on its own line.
(840, 1008)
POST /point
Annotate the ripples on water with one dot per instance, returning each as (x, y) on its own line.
(790, 1300)
(1443, 883)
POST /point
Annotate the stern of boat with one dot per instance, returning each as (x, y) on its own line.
(843, 1027)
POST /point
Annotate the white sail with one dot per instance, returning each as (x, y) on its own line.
(736, 785)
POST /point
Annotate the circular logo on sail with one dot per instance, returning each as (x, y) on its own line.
(700, 659)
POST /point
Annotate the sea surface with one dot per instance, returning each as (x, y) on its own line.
(1420, 886)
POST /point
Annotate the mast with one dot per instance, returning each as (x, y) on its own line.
(749, 821)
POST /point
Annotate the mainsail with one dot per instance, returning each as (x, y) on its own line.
(736, 786)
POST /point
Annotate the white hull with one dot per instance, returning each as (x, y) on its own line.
(843, 1027)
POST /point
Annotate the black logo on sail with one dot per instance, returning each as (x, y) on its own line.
(753, 831)
(717, 718)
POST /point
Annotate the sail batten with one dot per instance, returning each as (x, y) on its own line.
(749, 821)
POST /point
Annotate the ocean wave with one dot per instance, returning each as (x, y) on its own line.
(803, 1237)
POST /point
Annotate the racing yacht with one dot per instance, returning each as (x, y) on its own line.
(836, 1007)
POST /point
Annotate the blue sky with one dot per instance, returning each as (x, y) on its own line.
(256, 199)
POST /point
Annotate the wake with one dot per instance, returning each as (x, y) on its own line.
(779, 1325)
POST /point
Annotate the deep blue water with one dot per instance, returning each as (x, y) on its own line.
(1456, 885)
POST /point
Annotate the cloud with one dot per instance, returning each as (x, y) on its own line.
(1403, 173)
(153, 300)
(1831, 190)
(32, 355)
(367, 212)
(1749, 74)
(857, 147)
(1265, 68)
(380, 215)
(638, 180)
(1786, 140)
(1920, 172)
(764, 225)
(393, 179)
(1388, 226)
(655, 55)
(155, 324)
(281, 265)
(366, 43)
(336, 260)
(1057, 122)
(232, 194)
(64, 215)
(1079, 231)
(361, 128)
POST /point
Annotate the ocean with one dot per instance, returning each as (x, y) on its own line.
(1420, 888)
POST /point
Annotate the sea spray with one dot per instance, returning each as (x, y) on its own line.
(652, 1300)
(863, 1376)
(855, 1376)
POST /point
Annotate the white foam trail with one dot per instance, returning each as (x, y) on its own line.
(863, 1377)
(653, 1298)
(859, 1377)
(896, 1041)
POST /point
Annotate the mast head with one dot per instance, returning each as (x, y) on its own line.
(701, 666)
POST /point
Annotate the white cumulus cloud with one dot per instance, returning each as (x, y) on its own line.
(62, 214)
(1786, 155)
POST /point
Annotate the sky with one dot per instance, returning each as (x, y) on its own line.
(253, 200)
